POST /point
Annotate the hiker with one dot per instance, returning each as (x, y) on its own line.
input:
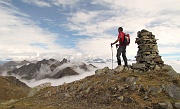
(122, 47)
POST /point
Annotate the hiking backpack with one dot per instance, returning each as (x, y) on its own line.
(126, 40)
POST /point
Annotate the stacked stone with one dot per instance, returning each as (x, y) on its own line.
(148, 54)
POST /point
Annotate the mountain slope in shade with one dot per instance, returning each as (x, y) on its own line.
(68, 71)
(12, 88)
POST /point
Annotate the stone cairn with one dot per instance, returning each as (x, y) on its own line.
(148, 55)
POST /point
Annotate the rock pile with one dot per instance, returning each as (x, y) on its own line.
(148, 54)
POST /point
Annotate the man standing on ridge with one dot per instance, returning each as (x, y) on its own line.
(122, 47)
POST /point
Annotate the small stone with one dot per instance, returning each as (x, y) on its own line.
(146, 97)
(157, 68)
(119, 68)
(155, 90)
(138, 66)
(132, 87)
(162, 105)
(131, 80)
(66, 95)
(169, 105)
(121, 98)
(156, 106)
(177, 105)
(99, 71)
(88, 89)
(102, 71)
(128, 100)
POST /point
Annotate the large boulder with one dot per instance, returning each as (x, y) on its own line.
(119, 68)
(172, 90)
(170, 71)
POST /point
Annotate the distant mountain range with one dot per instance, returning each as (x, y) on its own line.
(48, 68)
(44, 69)
(10, 65)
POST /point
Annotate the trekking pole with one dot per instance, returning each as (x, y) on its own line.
(112, 55)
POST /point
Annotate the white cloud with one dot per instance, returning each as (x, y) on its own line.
(169, 49)
(167, 35)
(56, 82)
(95, 45)
(50, 3)
(64, 3)
(140, 5)
(92, 23)
(40, 3)
(101, 47)
(83, 17)
(19, 33)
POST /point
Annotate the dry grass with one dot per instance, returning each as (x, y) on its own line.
(11, 88)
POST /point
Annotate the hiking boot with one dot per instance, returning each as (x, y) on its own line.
(126, 66)
(119, 62)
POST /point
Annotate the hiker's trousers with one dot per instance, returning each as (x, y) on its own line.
(121, 49)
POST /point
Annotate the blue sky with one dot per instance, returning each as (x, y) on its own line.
(30, 29)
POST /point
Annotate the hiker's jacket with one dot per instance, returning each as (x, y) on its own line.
(121, 37)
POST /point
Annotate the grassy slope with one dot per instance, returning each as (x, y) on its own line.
(12, 88)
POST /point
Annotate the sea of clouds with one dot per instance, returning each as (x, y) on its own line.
(83, 74)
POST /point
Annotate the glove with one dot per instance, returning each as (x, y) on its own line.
(117, 45)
